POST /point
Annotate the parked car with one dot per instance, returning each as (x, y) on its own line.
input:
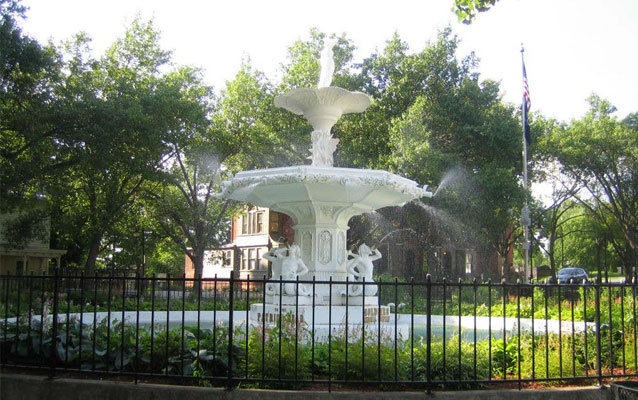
(571, 275)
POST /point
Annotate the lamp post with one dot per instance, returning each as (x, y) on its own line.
(531, 259)
(143, 253)
(526, 222)
(562, 248)
(606, 267)
(141, 267)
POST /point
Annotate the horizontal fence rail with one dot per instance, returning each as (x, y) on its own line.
(228, 331)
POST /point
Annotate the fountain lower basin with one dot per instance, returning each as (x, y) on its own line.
(355, 191)
(406, 325)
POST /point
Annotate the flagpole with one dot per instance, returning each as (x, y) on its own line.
(525, 217)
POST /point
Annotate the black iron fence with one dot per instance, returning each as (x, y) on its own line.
(228, 331)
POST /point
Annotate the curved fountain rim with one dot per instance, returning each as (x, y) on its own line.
(300, 100)
(308, 174)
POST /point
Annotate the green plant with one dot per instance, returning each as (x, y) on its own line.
(505, 357)
(279, 352)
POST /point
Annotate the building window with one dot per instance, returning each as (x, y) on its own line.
(227, 261)
(252, 223)
(19, 267)
(244, 224)
(251, 259)
(468, 263)
(260, 222)
(274, 222)
(244, 259)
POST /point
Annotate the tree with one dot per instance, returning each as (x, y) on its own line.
(129, 110)
(247, 121)
(456, 122)
(32, 126)
(466, 10)
(553, 212)
(553, 220)
(586, 242)
(600, 152)
(186, 208)
(430, 114)
(35, 128)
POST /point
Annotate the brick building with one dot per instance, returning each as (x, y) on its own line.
(253, 233)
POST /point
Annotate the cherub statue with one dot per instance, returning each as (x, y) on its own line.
(360, 267)
(327, 64)
(276, 257)
(291, 268)
(287, 265)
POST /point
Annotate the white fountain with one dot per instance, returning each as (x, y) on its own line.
(321, 199)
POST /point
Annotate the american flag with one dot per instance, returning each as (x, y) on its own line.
(527, 100)
(527, 103)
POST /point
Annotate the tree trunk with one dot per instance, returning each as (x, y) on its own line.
(628, 262)
(197, 258)
(94, 251)
(552, 258)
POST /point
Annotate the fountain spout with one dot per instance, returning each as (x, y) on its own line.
(426, 192)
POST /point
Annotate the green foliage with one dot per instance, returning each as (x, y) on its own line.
(302, 69)
(505, 357)
(31, 118)
(141, 143)
(599, 153)
(279, 352)
(287, 351)
(586, 242)
(466, 10)
(21, 228)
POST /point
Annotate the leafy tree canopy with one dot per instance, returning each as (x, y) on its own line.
(467, 10)
(600, 153)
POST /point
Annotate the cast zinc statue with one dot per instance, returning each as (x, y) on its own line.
(327, 63)
(360, 267)
(275, 256)
(287, 265)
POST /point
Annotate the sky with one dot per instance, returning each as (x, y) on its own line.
(573, 48)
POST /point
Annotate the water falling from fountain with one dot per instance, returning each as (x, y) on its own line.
(397, 231)
(455, 228)
(457, 179)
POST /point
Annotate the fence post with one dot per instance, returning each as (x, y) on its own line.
(138, 284)
(597, 322)
(230, 328)
(428, 372)
(54, 325)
